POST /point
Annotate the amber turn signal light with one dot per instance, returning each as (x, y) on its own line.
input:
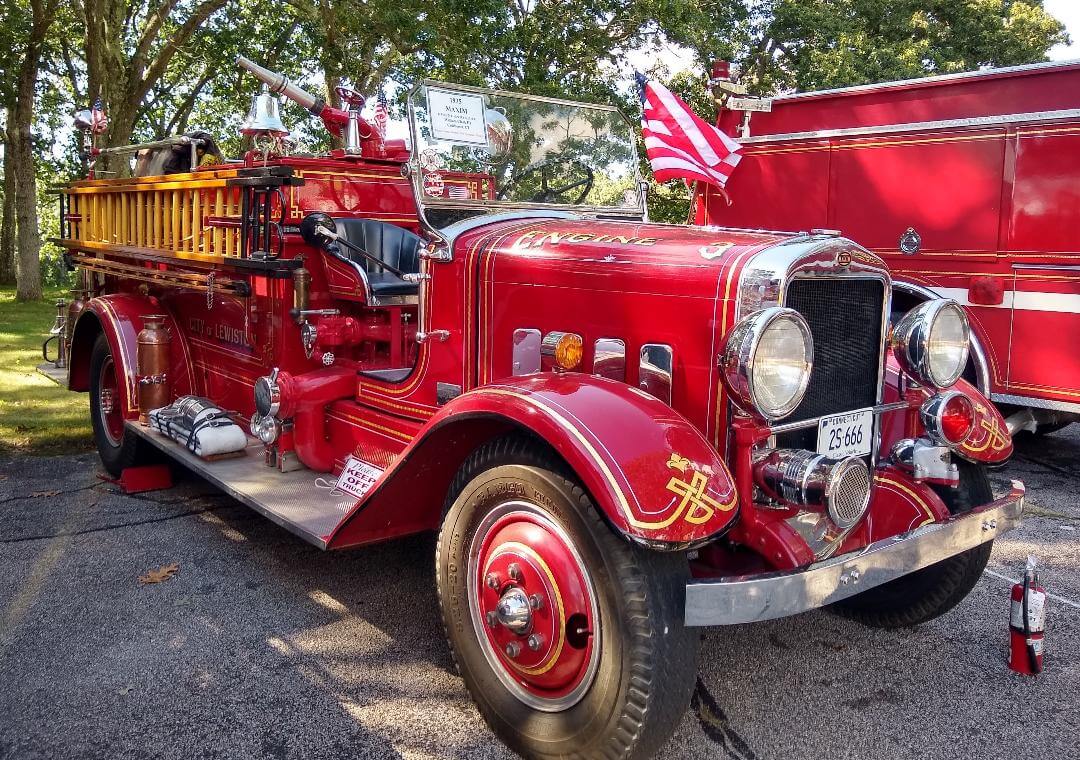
(563, 349)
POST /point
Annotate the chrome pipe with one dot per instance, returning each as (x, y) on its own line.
(280, 85)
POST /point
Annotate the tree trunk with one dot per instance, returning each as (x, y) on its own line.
(28, 276)
(7, 221)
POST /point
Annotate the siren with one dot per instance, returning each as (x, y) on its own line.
(264, 118)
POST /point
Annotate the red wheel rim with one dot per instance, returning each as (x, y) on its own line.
(112, 419)
(533, 605)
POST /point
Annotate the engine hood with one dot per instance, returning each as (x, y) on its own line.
(659, 258)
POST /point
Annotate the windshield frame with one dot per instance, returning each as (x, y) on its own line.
(423, 201)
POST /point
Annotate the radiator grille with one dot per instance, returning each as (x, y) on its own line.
(845, 321)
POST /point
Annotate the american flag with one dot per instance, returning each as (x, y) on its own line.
(381, 112)
(457, 191)
(99, 122)
(679, 143)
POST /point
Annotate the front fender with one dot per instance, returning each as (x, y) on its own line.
(989, 440)
(120, 317)
(652, 473)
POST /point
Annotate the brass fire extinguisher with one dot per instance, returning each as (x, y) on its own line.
(153, 366)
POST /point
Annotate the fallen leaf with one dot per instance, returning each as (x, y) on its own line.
(43, 493)
(163, 573)
(3, 478)
(126, 690)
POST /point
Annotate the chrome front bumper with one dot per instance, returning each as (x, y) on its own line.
(750, 598)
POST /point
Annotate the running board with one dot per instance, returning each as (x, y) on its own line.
(290, 499)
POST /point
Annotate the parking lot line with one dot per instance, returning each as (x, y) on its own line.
(1061, 599)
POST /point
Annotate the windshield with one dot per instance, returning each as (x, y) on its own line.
(491, 150)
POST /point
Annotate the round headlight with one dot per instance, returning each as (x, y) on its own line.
(766, 362)
(931, 342)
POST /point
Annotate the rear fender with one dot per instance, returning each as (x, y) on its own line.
(120, 318)
(652, 473)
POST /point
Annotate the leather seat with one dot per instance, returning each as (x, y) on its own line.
(389, 243)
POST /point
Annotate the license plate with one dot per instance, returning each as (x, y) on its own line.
(846, 435)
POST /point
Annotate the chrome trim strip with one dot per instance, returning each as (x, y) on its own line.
(892, 406)
(753, 598)
(936, 79)
(1038, 403)
(1053, 267)
(917, 126)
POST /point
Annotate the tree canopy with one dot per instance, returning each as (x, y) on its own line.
(165, 66)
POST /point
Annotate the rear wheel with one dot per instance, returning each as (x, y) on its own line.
(932, 591)
(118, 447)
(569, 638)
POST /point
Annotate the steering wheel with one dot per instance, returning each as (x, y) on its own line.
(548, 193)
(350, 97)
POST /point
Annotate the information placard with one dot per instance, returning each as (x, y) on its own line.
(457, 117)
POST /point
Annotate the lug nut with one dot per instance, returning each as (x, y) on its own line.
(492, 618)
(492, 581)
(513, 649)
(536, 601)
(515, 572)
(535, 641)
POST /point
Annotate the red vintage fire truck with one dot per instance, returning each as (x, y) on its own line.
(622, 431)
(967, 185)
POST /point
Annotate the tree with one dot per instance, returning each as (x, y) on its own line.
(128, 47)
(816, 44)
(20, 141)
(11, 34)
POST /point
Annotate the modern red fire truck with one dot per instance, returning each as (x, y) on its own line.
(621, 431)
(967, 185)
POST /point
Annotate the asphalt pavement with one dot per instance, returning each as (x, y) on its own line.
(257, 645)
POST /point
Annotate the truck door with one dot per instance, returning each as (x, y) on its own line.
(1044, 358)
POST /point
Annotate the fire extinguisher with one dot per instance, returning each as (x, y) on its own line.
(1027, 621)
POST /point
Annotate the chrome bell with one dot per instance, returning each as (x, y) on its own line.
(264, 118)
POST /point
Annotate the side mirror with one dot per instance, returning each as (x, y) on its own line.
(310, 229)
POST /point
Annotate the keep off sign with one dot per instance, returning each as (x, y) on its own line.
(357, 478)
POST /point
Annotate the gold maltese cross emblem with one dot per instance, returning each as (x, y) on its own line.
(695, 504)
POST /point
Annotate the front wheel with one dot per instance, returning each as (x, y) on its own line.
(932, 591)
(570, 639)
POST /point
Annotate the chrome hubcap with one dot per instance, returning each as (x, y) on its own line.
(513, 611)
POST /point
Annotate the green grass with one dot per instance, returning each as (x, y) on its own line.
(37, 416)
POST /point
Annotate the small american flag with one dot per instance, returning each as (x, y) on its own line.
(381, 112)
(99, 122)
(679, 143)
(457, 191)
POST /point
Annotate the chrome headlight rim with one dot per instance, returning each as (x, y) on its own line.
(932, 412)
(911, 342)
(738, 360)
(268, 395)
